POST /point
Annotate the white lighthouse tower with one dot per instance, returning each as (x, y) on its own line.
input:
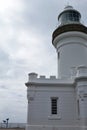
(61, 103)
(70, 40)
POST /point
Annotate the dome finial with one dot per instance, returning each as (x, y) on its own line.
(67, 3)
(68, 6)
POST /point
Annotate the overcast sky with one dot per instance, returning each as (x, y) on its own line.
(26, 28)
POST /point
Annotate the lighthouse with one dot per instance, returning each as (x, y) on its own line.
(60, 103)
(70, 41)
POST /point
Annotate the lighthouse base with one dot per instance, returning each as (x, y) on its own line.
(59, 127)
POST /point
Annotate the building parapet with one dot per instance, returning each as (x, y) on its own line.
(34, 76)
(37, 80)
(80, 72)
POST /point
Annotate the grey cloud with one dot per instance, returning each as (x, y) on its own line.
(4, 63)
(3, 87)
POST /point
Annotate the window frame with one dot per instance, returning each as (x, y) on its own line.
(58, 115)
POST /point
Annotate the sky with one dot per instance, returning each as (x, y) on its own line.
(26, 28)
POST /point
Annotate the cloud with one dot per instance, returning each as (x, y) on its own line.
(3, 87)
(13, 102)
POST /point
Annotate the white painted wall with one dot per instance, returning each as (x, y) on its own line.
(72, 47)
(40, 106)
(39, 93)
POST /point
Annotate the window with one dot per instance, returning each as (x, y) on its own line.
(54, 105)
(78, 109)
(55, 109)
(70, 16)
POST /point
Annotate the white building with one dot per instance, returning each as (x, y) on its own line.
(61, 103)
